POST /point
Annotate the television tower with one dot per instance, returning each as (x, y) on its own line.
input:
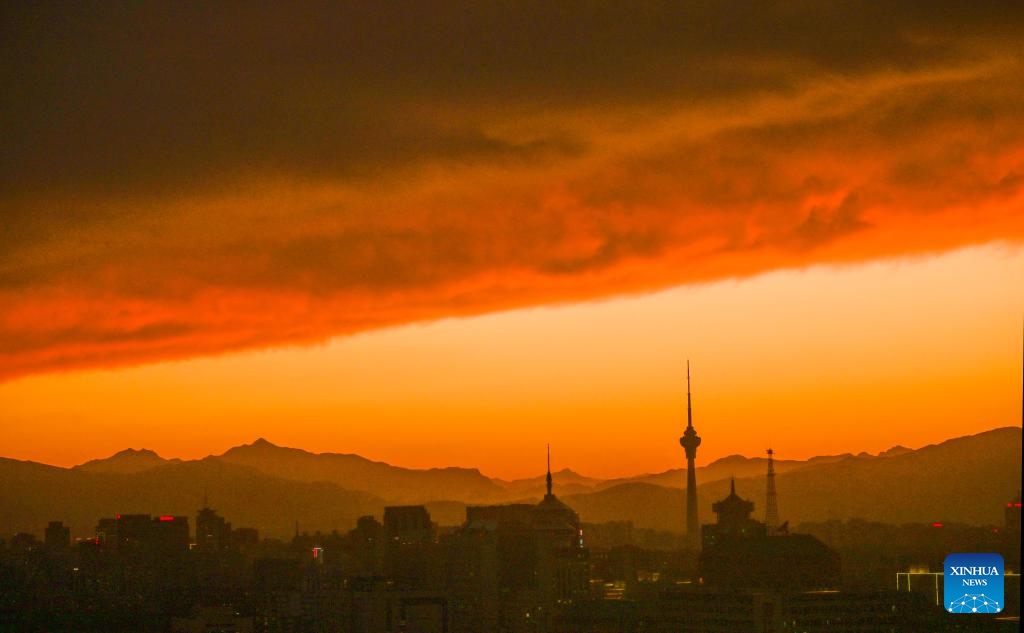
(771, 513)
(690, 441)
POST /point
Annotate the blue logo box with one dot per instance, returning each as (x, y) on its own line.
(973, 583)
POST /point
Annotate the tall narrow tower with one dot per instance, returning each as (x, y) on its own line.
(771, 513)
(690, 441)
(548, 478)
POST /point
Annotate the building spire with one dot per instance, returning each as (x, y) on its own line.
(549, 470)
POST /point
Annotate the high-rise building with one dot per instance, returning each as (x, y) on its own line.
(57, 536)
(411, 555)
(212, 531)
(131, 532)
(408, 524)
(690, 441)
(367, 547)
(514, 566)
(169, 533)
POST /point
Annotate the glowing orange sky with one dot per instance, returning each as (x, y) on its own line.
(819, 361)
(209, 215)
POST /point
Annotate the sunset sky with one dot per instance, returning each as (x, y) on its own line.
(438, 233)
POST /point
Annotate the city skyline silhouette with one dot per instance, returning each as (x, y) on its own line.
(516, 564)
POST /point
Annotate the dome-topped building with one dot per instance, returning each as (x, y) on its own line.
(556, 518)
(530, 557)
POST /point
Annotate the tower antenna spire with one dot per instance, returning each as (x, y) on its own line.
(690, 441)
(549, 470)
(689, 399)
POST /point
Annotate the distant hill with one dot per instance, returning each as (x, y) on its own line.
(967, 479)
(646, 505)
(126, 462)
(566, 481)
(34, 494)
(398, 485)
(270, 487)
(722, 469)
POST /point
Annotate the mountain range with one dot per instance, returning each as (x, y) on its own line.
(273, 488)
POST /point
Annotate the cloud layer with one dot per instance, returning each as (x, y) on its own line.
(181, 181)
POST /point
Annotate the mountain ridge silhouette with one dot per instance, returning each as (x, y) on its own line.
(965, 479)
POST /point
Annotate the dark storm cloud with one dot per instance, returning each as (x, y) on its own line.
(114, 96)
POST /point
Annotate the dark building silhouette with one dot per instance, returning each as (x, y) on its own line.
(278, 584)
(244, 538)
(141, 531)
(213, 532)
(57, 536)
(367, 542)
(408, 524)
(131, 529)
(739, 552)
(513, 567)
(24, 542)
(734, 522)
(690, 441)
(170, 532)
(412, 557)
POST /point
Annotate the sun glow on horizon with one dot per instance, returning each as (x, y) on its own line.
(818, 360)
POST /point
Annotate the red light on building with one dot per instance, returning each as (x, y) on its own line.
(118, 516)
(166, 518)
(936, 525)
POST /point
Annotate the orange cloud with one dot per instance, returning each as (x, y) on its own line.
(306, 201)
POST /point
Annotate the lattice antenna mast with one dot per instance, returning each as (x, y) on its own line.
(771, 513)
(548, 478)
